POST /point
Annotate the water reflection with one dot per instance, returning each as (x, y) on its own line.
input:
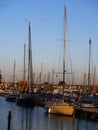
(36, 119)
(26, 118)
(58, 122)
(80, 124)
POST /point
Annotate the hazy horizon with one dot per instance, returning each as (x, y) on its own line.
(47, 21)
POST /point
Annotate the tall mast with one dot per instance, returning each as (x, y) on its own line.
(84, 84)
(41, 73)
(94, 81)
(14, 72)
(89, 74)
(52, 77)
(14, 75)
(30, 69)
(24, 61)
(64, 52)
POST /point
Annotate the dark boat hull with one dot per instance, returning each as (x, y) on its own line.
(11, 97)
(26, 100)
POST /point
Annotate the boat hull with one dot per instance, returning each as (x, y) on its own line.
(62, 110)
(26, 100)
(11, 97)
(86, 105)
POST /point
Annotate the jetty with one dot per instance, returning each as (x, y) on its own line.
(87, 113)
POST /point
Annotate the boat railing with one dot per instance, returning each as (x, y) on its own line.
(49, 103)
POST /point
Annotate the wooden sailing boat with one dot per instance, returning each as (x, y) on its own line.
(59, 106)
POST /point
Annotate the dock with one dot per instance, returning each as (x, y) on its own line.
(87, 113)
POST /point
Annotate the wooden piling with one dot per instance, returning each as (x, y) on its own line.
(9, 120)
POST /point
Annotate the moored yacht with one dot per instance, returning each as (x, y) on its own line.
(60, 106)
(27, 98)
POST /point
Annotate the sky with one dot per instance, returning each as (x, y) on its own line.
(46, 18)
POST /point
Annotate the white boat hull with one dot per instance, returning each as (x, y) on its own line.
(86, 105)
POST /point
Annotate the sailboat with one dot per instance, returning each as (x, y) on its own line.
(12, 96)
(88, 100)
(60, 106)
(27, 99)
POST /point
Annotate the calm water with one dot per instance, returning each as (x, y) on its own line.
(37, 119)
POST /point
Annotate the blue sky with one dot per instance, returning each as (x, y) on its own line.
(46, 18)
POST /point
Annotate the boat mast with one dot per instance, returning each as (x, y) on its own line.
(41, 73)
(64, 53)
(30, 68)
(52, 76)
(14, 72)
(94, 81)
(14, 75)
(24, 62)
(89, 74)
(84, 84)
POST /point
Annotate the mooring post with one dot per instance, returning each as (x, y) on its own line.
(9, 120)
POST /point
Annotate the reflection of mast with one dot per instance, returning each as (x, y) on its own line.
(30, 70)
